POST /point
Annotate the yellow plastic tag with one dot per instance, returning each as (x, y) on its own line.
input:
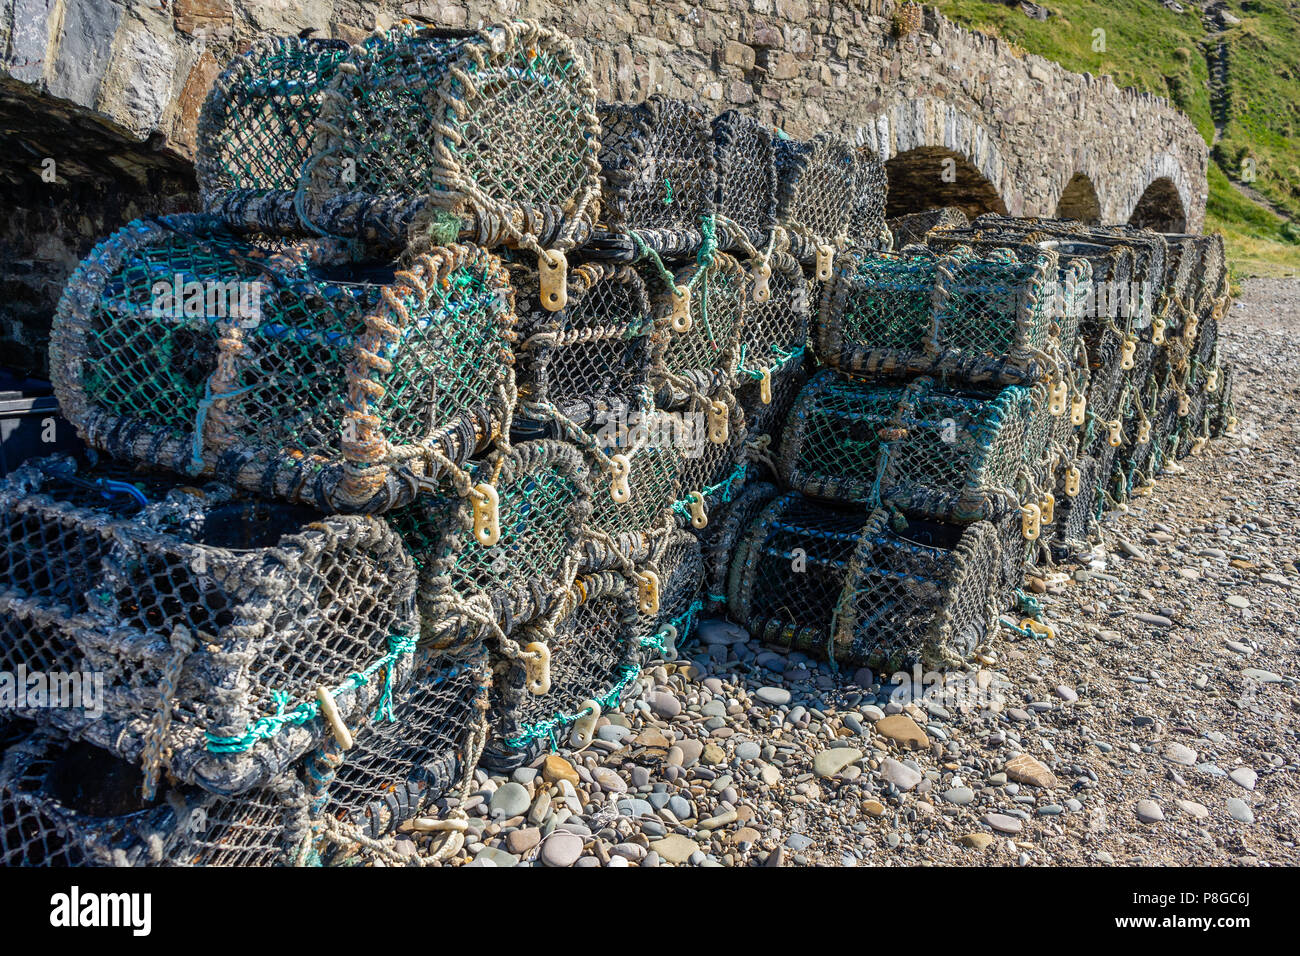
(1072, 480)
(1145, 488)
(1184, 405)
(1047, 508)
(1144, 432)
(330, 711)
(1078, 410)
(1157, 331)
(765, 386)
(1056, 406)
(699, 518)
(1037, 627)
(681, 317)
(553, 277)
(1116, 432)
(1127, 353)
(620, 469)
(584, 728)
(648, 593)
(1029, 522)
(487, 515)
(719, 426)
(1212, 380)
(537, 668)
(1189, 330)
(825, 260)
(762, 290)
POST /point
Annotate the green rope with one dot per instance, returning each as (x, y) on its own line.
(668, 191)
(266, 727)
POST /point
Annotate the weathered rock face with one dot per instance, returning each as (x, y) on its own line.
(959, 117)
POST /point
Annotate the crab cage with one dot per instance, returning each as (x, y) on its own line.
(777, 327)
(721, 539)
(700, 315)
(867, 229)
(745, 203)
(1198, 275)
(1223, 416)
(505, 552)
(404, 761)
(658, 172)
(66, 803)
(677, 560)
(257, 129)
(592, 654)
(912, 228)
(714, 469)
(769, 418)
(229, 634)
(942, 453)
(1080, 496)
(816, 193)
(490, 136)
(593, 354)
(1001, 316)
(283, 367)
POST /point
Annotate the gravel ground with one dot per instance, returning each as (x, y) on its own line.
(1158, 727)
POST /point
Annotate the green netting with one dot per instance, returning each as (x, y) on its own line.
(283, 366)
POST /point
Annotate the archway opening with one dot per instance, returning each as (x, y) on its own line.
(1079, 201)
(1160, 208)
(930, 176)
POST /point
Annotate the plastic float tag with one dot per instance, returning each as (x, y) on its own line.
(719, 428)
(1056, 400)
(1212, 380)
(1184, 405)
(330, 711)
(681, 317)
(553, 276)
(1157, 331)
(1144, 432)
(699, 518)
(1072, 481)
(668, 635)
(1116, 432)
(762, 291)
(1231, 426)
(1029, 522)
(487, 515)
(1078, 409)
(765, 386)
(537, 668)
(621, 468)
(1198, 444)
(648, 593)
(584, 728)
(1127, 353)
(1189, 330)
(1047, 508)
(825, 259)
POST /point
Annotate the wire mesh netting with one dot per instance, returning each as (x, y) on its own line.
(283, 367)
(678, 562)
(998, 315)
(947, 454)
(205, 624)
(1080, 496)
(594, 655)
(65, 803)
(769, 418)
(746, 170)
(722, 537)
(699, 341)
(595, 353)
(866, 228)
(912, 228)
(476, 568)
(712, 471)
(491, 135)
(816, 193)
(775, 329)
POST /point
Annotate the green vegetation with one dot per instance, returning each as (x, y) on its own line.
(1155, 49)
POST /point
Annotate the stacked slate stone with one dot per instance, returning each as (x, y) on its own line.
(918, 470)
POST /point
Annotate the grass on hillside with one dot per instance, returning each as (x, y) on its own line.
(1158, 50)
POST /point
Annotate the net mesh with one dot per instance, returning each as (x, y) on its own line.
(210, 620)
(328, 382)
(912, 228)
(678, 560)
(816, 191)
(722, 537)
(866, 227)
(769, 418)
(708, 348)
(746, 169)
(776, 329)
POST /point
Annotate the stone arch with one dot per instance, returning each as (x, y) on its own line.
(1079, 200)
(1159, 196)
(920, 138)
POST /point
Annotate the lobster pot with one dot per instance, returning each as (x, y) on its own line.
(769, 418)
(212, 622)
(658, 173)
(816, 192)
(1077, 514)
(978, 318)
(489, 135)
(282, 367)
(65, 803)
(699, 343)
(594, 353)
(473, 570)
(713, 466)
(678, 562)
(1106, 374)
(867, 229)
(745, 154)
(945, 454)
(1223, 415)
(777, 328)
(257, 128)
(722, 536)
(911, 229)
(920, 592)
(595, 654)
(1194, 426)
(398, 767)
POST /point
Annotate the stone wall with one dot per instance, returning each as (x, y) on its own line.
(132, 74)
